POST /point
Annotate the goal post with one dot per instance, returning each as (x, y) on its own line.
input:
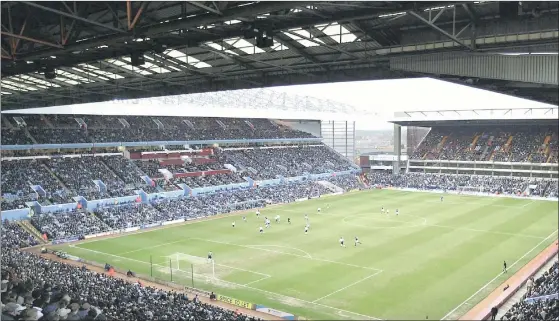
(184, 269)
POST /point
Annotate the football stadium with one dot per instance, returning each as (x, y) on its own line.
(269, 160)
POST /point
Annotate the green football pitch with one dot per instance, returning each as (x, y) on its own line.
(436, 259)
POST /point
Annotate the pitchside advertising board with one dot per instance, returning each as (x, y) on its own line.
(236, 302)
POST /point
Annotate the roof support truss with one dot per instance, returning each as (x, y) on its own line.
(73, 16)
(436, 28)
(204, 7)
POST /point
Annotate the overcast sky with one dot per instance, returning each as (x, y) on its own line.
(383, 97)
(386, 97)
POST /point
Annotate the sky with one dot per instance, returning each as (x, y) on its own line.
(386, 97)
(378, 100)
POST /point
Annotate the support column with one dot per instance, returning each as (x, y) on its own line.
(397, 149)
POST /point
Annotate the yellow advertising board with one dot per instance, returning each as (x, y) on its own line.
(236, 302)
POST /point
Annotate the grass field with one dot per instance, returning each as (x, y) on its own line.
(430, 260)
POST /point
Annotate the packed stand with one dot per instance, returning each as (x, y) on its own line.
(536, 144)
(225, 201)
(448, 182)
(346, 182)
(34, 288)
(67, 129)
(79, 173)
(267, 163)
(13, 236)
(129, 215)
(69, 224)
(16, 136)
(126, 170)
(17, 178)
(542, 309)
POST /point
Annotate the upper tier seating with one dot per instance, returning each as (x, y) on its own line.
(537, 144)
(291, 161)
(66, 129)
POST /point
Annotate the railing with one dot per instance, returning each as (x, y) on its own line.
(159, 143)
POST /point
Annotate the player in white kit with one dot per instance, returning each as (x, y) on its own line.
(306, 229)
(233, 224)
(318, 210)
(397, 212)
(342, 242)
(277, 218)
(257, 213)
(261, 230)
(382, 210)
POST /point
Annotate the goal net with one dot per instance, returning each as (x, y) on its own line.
(185, 269)
(470, 189)
(199, 266)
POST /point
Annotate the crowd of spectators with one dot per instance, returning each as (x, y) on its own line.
(67, 224)
(504, 144)
(79, 174)
(66, 129)
(268, 163)
(13, 236)
(542, 309)
(448, 182)
(35, 288)
(116, 217)
(15, 136)
(18, 177)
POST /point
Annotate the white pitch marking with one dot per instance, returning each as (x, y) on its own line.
(346, 287)
(287, 253)
(149, 247)
(281, 246)
(246, 286)
(498, 275)
(227, 266)
(264, 278)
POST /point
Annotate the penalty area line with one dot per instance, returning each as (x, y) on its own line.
(246, 286)
(348, 286)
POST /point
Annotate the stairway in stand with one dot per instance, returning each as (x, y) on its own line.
(27, 226)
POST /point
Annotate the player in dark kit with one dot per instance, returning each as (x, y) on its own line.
(288, 220)
(504, 266)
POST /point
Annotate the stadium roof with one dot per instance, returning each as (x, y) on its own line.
(414, 99)
(546, 115)
(244, 103)
(192, 47)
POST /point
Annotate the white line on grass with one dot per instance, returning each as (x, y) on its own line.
(149, 247)
(217, 264)
(264, 278)
(527, 204)
(498, 275)
(287, 253)
(281, 246)
(244, 285)
(346, 287)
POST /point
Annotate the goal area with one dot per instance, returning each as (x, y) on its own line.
(185, 269)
